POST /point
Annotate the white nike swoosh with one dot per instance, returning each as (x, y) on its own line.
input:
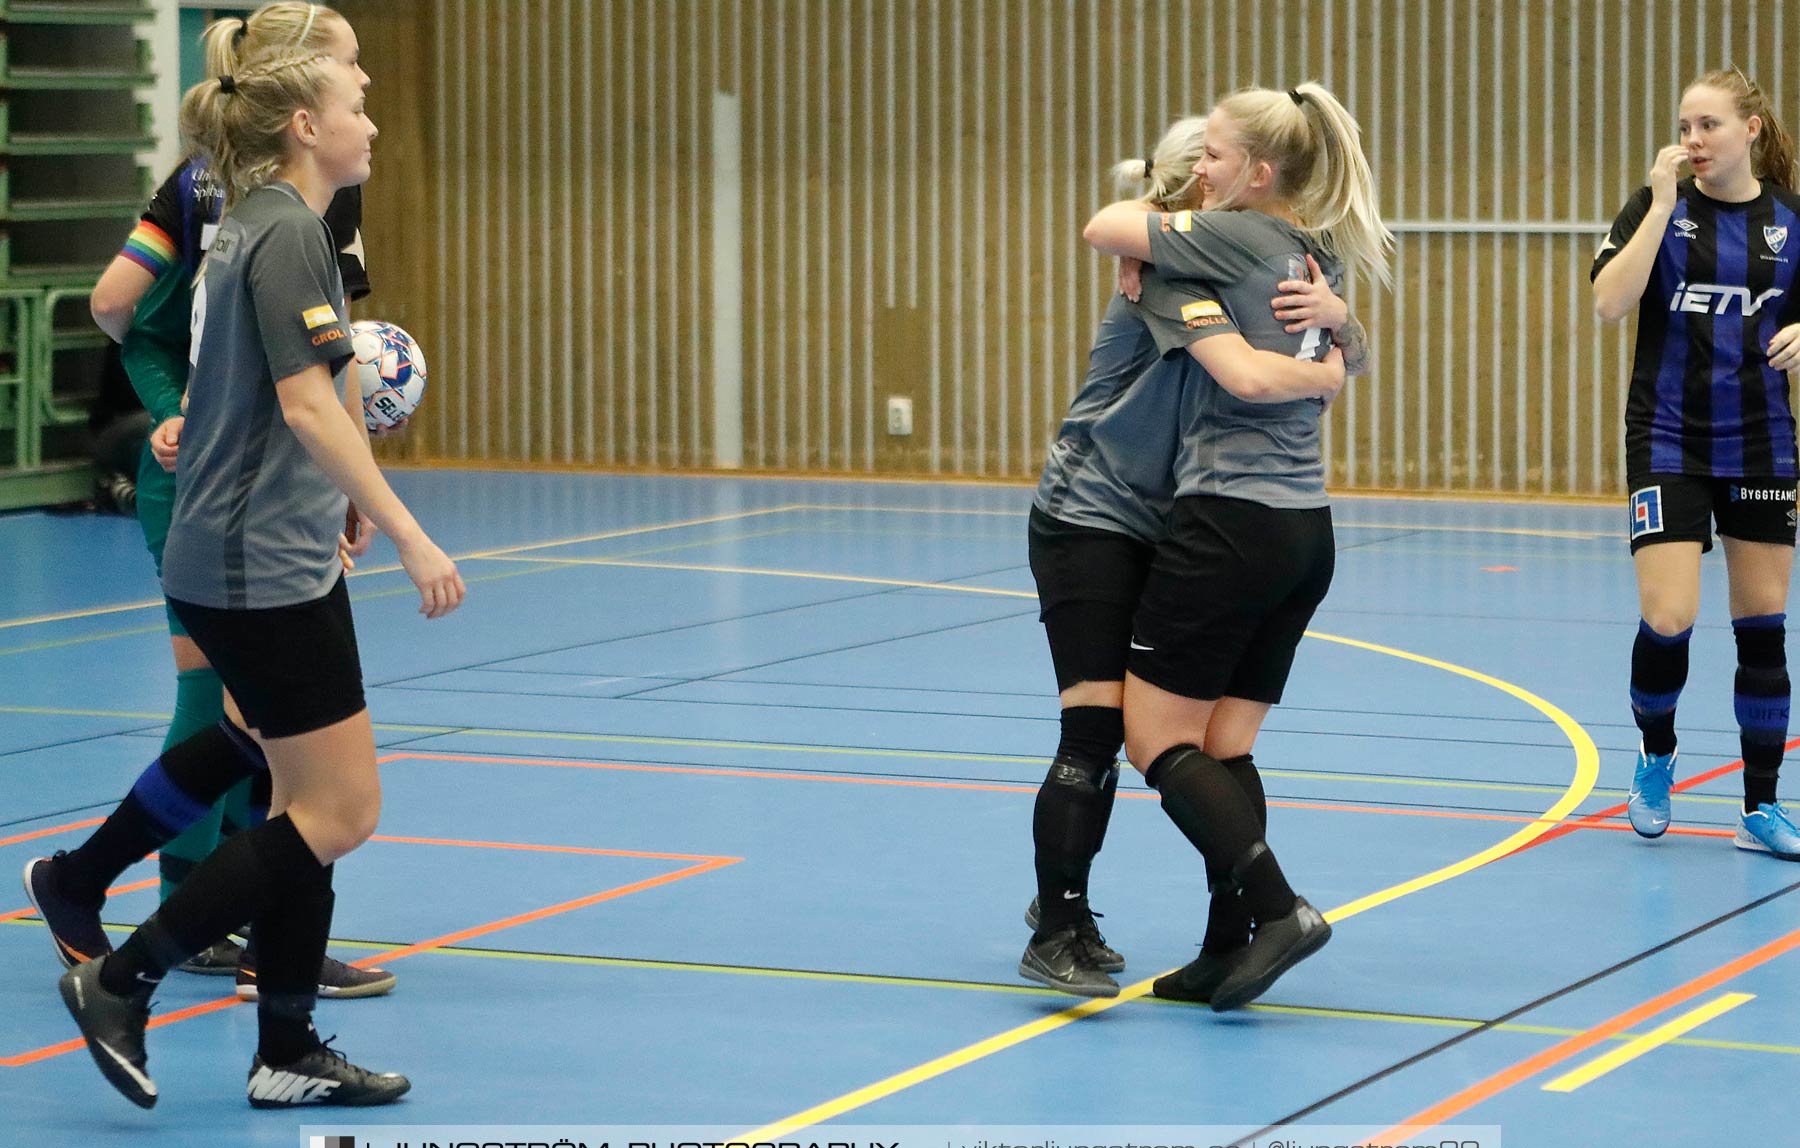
(143, 1082)
(1137, 646)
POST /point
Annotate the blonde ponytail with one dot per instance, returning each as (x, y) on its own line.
(238, 123)
(1314, 147)
(1168, 170)
(285, 28)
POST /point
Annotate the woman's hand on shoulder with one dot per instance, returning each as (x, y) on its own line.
(1307, 303)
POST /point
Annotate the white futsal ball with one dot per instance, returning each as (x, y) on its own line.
(391, 369)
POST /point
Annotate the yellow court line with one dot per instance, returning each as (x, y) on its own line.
(125, 607)
(505, 551)
(1660, 1035)
(1587, 759)
(887, 980)
(1587, 773)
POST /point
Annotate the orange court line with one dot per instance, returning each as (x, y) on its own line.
(919, 783)
(51, 832)
(554, 849)
(28, 911)
(705, 865)
(1501, 1081)
(1615, 810)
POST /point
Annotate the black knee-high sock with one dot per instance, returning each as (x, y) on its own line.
(1761, 698)
(171, 794)
(1214, 813)
(290, 945)
(1659, 668)
(1227, 918)
(1068, 823)
(237, 883)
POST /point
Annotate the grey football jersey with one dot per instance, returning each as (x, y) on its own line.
(1124, 480)
(256, 520)
(1262, 452)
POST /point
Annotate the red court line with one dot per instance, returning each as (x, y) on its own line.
(1501, 1081)
(51, 832)
(917, 783)
(1617, 810)
(28, 911)
(555, 849)
(706, 865)
(539, 914)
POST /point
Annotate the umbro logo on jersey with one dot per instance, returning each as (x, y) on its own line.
(1712, 298)
(1776, 238)
(1687, 227)
(289, 1087)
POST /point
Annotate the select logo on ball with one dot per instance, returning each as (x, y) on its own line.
(390, 368)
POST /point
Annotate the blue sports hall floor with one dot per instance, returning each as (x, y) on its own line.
(712, 807)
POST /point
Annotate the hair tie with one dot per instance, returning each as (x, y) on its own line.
(243, 29)
(1149, 166)
(227, 84)
(1294, 95)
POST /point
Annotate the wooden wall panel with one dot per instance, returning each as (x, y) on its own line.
(915, 176)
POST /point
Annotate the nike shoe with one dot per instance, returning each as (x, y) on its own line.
(1067, 962)
(1276, 947)
(1200, 978)
(1648, 805)
(221, 960)
(1768, 830)
(337, 981)
(1107, 958)
(113, 1028)
(74, 928)
(322, 1076)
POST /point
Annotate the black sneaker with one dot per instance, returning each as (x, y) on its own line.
(322, 1076)
(221, 960)
(337, 981)
(74, 928)
(1199, 978)
(113, 1028)
(1067, 962)
(1108, 959)
(1276, 947)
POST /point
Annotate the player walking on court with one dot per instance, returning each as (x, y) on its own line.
(252, 569)
(1708, 262)
(145, 300)
(1249, 553)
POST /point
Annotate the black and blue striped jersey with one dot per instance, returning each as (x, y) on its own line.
(1703, 398)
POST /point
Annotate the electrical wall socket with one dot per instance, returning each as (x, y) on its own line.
(899, 412)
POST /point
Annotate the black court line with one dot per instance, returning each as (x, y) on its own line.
(135, 731)
(670, 684)
(1505, 1018)
(1345, 549)
(948, 629)
(496, 663)
(58, 813)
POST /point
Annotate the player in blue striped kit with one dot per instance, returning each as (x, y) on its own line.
(1709, 262)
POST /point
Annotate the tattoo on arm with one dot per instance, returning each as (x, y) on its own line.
(1353, 341)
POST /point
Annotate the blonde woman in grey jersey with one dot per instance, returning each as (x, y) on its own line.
(1249, 552)
(1094, 524)
(252, 568)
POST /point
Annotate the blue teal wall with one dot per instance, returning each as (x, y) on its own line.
(194, 22)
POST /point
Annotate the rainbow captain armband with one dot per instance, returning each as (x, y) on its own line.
(150, 248)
